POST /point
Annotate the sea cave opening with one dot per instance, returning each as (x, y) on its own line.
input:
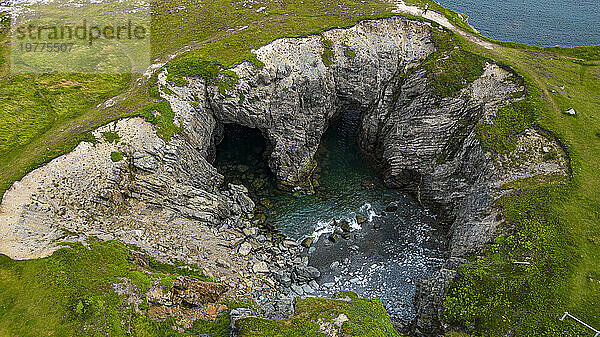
(361, 235)
(242, 158)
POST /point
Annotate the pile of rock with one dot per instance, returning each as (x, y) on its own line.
(342, 229)
(186, 297)
(279, 262)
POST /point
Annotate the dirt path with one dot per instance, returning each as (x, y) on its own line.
(439, 18)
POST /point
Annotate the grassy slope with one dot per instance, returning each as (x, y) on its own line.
(579, 211)
(50, 126)
(71, 293)
(36, 112)
(366, 318)
(555, 226)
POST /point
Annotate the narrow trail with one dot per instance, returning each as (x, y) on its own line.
(439, 18)
(495, 49)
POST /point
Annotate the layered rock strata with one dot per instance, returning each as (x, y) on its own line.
(165, 196)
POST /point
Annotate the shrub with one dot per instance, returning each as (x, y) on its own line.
(110, 136)
(116, 156)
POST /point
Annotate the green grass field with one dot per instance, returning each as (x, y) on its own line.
(71, 293)
(54, 112)
(554, 224)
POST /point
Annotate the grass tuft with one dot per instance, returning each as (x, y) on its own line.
(328, 55)
(110, 136)
(349, 53)
(162, 116)
(451, 68)
(116, 156)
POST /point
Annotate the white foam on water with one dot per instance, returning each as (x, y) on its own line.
(368, 209)
(326, 226)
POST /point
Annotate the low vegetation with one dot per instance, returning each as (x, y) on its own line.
(71, 293)
(451, 67)
(348, 52)
(314, 316)
(553, 226)
(328, 55)
(550, 225)
(111, 136)
(498, 295)
(116, 156)
(161, 115)
(500, 134)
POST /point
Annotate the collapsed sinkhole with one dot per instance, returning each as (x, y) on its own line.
(393, 240)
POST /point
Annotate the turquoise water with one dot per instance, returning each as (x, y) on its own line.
(383, 255)
(349, 184)
(534, 22)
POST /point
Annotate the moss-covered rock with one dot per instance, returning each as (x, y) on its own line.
(343, 315)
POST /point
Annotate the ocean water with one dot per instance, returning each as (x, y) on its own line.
(534, 22)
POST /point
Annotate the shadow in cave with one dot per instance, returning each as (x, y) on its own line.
(393, 240)
(242, 157)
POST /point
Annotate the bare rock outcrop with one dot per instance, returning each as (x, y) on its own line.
(157, 193)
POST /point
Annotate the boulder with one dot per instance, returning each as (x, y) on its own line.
(195, 292)
(304, 274)
(245, 249)
(307, 242)
(392, 207)
(345, 226)
(238, 314)
(187, 292)
(260, 267)
(283, 279)
(298, 289)
(139, 258)
(267, 203)
(259, 219)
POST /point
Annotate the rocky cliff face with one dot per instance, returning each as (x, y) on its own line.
(425, 143)
(428, 145)
(294, 97)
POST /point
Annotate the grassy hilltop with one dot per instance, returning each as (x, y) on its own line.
(555, 224)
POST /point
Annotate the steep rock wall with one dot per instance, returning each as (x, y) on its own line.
(426, 144)
(293, 98)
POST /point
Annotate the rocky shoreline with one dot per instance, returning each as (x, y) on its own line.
(164, 196)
